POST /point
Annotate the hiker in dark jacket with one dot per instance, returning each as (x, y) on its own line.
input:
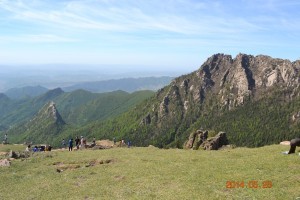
(71, 144)
(77, 142)
(294, 142)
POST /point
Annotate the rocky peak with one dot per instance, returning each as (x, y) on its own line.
(52, 111)
(226, 82)
(235, 79)
(49, 112)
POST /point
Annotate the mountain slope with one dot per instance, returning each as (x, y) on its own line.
(5, 105)
(81, 107)
(44, 127)
(22, 110)
(253, 98)
(77, 107)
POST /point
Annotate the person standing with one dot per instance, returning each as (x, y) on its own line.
(77, 142)
(82, 142)
(71, 144)
(129, 143)
(5, 139)
(294, 142)
(63, 143)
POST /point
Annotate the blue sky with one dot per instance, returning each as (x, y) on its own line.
(161, 34)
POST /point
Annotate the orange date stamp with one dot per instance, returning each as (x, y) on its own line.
(252, 184)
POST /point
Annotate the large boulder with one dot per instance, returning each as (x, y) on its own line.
(196, 139)
(13, 154)
(17, 155)
(216, 142)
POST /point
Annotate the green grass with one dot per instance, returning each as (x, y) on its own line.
(151, 173)
(8, 147)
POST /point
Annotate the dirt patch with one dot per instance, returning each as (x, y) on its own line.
(119, 177)
(105, 143)
(60, 166)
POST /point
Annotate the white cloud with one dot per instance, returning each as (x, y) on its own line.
(113, 16)
(41, 38)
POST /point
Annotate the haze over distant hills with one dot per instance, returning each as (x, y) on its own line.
(53, 76)
(126, 84)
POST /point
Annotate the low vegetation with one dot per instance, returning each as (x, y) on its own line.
(152, 173)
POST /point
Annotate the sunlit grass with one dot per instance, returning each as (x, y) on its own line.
(150, 173)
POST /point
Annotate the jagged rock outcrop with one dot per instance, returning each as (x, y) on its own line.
(216, 142)
(196, 139)
(47, 123)
(199, 139)
(47, 113)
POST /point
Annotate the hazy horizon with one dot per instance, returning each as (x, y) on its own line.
(54, 76)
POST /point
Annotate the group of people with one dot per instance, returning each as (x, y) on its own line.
(123, 143)
(38, 148)
(78, 143)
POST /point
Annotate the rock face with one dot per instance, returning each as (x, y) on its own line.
(216, 142)
(199, 139)
(18, 155)
(196, 139)
(49, 112)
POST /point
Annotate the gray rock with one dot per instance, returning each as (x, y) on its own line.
(13, 154)
(216, 142)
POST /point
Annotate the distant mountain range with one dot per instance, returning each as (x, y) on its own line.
(25, 92)
(125, 84)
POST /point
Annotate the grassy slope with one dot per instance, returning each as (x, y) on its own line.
(150, 173)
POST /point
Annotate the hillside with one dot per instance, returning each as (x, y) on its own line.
(255, 99)
(77, 107)
(124, 84)
(20, 111)
(43, 127)
(152, 173)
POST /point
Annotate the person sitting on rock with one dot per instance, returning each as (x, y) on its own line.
(28, 148)
(294, 142)
(35, 149)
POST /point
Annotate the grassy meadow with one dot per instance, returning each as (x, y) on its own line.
(152, 173)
